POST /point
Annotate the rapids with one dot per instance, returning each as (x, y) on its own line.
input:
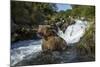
(21, 49)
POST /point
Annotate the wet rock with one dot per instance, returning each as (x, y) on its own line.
(41, 58)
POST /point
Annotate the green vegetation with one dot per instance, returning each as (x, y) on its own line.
(86, 47)
(31, 13)
(26, 16)
(78, 11)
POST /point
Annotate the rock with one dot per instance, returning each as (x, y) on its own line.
(41, 58)
(55, 57)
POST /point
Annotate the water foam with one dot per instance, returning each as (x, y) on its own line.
(18, 53)
(74, 32)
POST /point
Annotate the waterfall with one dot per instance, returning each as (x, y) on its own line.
(74, 32)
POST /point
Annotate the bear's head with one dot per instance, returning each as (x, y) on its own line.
(45, 31)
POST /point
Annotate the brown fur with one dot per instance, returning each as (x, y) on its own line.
(51, 41)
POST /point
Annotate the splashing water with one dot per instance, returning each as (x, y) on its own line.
(24, 48)
(21, 49)
(74, 32)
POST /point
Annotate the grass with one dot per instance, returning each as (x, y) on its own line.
(86, 47)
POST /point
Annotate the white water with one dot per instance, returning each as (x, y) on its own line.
(74, 32)
(23, 48)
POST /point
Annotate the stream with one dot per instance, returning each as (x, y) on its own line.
(23, 51)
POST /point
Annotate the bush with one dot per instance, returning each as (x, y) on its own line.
(87, 44)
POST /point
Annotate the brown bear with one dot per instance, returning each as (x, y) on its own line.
(51, 41)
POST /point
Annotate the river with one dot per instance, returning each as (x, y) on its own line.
(73, 33)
